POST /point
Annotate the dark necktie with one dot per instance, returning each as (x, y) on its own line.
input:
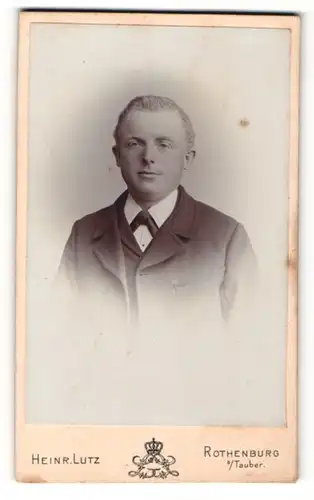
(145, 219)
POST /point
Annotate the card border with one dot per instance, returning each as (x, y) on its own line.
(27, 434)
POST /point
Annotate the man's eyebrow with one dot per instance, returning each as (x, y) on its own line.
(134, 137)
(164, 138)
(157, 138)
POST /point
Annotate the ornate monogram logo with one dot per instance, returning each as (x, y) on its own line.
(153, 464)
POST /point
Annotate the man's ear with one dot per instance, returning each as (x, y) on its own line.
(189, 157)
(115, 151)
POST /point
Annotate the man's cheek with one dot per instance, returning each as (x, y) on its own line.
(134, 159)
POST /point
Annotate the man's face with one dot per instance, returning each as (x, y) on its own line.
(152, 153)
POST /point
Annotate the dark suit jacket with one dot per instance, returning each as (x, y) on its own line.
(201, 261)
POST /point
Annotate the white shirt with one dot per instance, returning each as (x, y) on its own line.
(160, 213)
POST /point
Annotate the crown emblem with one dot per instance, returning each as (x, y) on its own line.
(153, 447)
(153, 464)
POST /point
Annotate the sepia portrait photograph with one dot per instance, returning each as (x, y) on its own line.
(157, 218)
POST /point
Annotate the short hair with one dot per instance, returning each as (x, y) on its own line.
(156, 103)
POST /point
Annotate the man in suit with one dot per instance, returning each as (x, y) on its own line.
(156, 241)
(154, 276)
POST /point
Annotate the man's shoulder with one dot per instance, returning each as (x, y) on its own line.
(93, 217)
(213, 225)
(209, 216)
(94, 222)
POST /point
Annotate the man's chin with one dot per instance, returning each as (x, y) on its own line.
(147, 194)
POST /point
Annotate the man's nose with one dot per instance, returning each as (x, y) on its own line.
(149, 154)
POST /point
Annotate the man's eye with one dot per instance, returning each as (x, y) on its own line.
(132, 144)
(165, 145)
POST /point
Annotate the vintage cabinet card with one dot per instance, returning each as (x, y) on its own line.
(157, 161)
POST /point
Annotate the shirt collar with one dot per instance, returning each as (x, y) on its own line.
(160, 211)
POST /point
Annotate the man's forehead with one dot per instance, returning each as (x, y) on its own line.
(163, 120)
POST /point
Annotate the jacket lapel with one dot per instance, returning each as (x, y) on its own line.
(106, 244)
(171, 239)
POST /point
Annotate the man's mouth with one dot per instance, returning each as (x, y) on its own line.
(144, 173)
